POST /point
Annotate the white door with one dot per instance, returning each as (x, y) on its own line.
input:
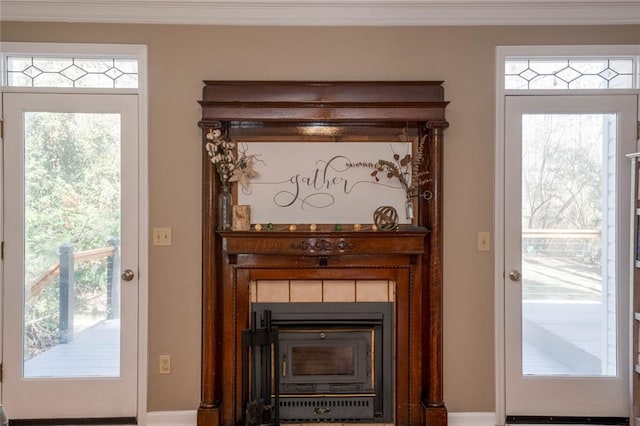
(566, 254)
(70, 265)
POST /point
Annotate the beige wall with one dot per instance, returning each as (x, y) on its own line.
(180, 57)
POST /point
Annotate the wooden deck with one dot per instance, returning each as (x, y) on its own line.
(564, 329)
(94, 352)
(563, 338)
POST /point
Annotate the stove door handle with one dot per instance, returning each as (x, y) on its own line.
(284, 366)
(320, 411)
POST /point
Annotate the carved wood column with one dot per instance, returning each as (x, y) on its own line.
(433, 401)
(211, 400)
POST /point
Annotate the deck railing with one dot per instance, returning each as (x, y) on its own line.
(65, 269)
(584, 244)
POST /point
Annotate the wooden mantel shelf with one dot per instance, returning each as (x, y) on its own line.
(308, 243)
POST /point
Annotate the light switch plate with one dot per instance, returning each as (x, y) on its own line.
(165, 364)
(484, 241)
(161, 236)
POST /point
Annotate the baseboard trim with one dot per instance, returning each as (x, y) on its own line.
(75, 421)
(472, 419)
(188, 418)
(172, 418)
(567, 420)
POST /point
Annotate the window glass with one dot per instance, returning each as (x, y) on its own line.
(569, 73)
(108, 73)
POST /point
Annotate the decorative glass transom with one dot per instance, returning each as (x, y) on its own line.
(569, 73)
(111, 73)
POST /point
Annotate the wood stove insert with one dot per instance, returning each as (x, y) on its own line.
(411, 256)
(333, 362)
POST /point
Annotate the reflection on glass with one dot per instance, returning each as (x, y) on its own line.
(568, 244)
(71, 245)
(322, 360)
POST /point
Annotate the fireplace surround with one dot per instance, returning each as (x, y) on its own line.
(410, 256)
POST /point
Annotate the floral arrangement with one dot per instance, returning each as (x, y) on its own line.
(405, 169)
(230, 169)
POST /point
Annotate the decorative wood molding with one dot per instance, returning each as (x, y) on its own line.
(410, 256)
(327, 12)
(313, 246)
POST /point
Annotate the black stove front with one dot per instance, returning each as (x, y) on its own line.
(323, 362)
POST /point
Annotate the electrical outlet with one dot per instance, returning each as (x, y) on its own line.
(161, 236)
(484, 241)
(165, 364)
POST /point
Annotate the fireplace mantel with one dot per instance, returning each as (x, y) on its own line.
(324, 243)
(411, 256)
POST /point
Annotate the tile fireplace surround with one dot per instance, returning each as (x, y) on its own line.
(318, 291)
(291, 291)
(403, 266)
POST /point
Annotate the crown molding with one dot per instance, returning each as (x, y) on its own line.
(327, 12)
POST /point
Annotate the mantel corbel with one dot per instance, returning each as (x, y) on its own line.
(436, 125)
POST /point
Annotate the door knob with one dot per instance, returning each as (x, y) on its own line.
(127, 275)
(515, 275)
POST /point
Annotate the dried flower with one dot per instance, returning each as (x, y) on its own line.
(406, 169)
(229, 168)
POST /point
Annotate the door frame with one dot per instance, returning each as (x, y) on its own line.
(502, 52)
(579, 388)
(138, 52)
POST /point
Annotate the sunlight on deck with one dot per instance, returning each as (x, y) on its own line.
(94, 352)
(563, 321)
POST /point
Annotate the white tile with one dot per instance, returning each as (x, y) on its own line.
(306, 291)
(339, 291)
(372, 291)
(253, 292)
(272, 291)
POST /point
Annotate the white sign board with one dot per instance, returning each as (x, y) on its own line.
(306, 183)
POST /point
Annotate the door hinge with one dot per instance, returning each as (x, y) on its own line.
(638, 130)
(1, 250)
(1, 129)
(1, 370)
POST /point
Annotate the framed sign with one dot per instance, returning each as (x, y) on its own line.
(321, 182)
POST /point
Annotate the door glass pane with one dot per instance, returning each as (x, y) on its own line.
(568, 244)
(71, 244)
